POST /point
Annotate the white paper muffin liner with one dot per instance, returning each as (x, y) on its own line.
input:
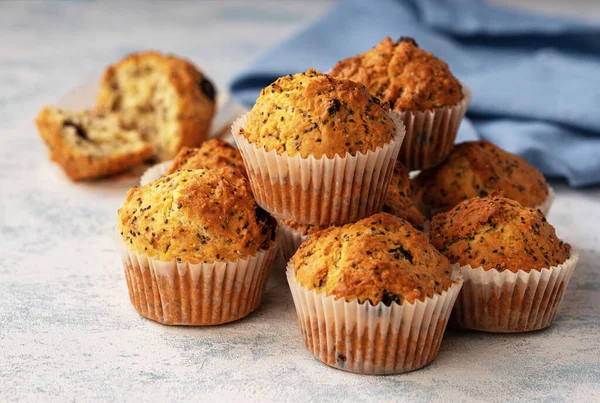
(289, 240)
(545, 206)
(507, 302)
(319, 191)
(195, 294)
(369, 339)
(430, 134)
(155, 172)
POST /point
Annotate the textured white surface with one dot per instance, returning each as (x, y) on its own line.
(67, 329)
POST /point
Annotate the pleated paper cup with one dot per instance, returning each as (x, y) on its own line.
(430, 134)
(175, 293)
(155, 172)
(369, 339)
(321, 191)
(507, 302)
(289, 240)
(545, 206)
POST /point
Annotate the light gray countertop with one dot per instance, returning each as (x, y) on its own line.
(67, 329)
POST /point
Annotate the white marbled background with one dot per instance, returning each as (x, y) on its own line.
(67, 329)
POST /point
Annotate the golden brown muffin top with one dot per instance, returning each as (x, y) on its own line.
(497, 233)
(315, 114)
(399, 200)
(201, 215)
(211, 154)
(404, 75)
(477, 168)
(381, 258)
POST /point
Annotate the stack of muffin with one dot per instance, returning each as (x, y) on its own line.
(487, 211)
(372, 294)
(323, 160)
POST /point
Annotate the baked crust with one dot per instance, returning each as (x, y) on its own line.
(201, 215)
(399, 200)
(90, 145)
(211, 154)
(476, 169)
(497, 233)
(165, 97)
(315, 114)
(381, 258)
(404, 75)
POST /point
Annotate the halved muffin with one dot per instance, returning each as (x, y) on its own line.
(89, 144)
(164, 97)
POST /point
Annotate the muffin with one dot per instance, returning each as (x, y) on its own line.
(372, 297)
(212, 153)
(399, 201)
(421, 88)
(196, 248)
(89, 145)
(476, 169)
(164, 97)
(515, 267)
(318, 150)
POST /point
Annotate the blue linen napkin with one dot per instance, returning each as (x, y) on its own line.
(535, 79)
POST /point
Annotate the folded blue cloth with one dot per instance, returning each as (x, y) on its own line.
(535, 79)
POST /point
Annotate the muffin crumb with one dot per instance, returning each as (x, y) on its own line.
(90, 144)
(166, 98)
